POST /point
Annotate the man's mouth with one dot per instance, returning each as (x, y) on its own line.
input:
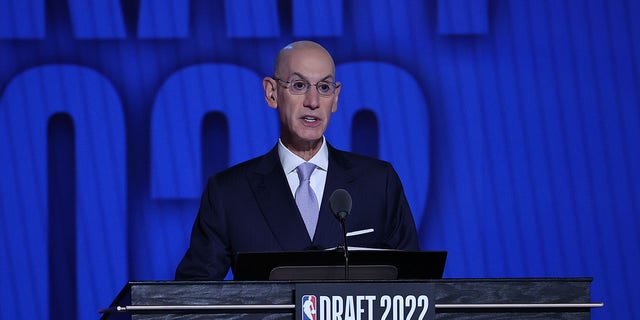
(310, 119)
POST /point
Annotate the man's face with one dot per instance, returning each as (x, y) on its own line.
(303, 117)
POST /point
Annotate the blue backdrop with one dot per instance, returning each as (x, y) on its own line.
(513, 124)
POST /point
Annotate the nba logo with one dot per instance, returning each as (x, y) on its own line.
(308, 307)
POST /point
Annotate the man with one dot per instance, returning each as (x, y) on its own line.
(271, 204)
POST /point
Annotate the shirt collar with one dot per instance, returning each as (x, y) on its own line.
(290, 161)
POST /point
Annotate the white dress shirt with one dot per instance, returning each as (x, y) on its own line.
(291, 161)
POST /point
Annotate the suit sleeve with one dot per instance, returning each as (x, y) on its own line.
(208, 256)
(404, 235)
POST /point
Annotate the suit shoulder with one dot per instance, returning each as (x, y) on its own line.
(362, 160)
(239, 170)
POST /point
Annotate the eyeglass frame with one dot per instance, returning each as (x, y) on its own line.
(334, 85)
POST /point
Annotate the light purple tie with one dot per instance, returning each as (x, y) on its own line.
(306, 198)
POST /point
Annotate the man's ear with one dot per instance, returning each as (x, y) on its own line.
(334, 108)
(270, 91)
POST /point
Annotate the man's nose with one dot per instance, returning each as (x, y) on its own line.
(312, 98)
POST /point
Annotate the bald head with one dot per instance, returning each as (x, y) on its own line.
(300, 47)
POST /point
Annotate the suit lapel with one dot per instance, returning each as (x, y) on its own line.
(280, 211)
(339, 176)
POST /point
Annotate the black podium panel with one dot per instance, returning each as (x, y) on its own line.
(567, 298)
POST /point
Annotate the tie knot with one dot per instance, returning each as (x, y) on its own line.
(304, 170)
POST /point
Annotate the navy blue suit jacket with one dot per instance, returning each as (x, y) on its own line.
(249, 208)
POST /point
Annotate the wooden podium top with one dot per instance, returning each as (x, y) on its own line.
(547, 298)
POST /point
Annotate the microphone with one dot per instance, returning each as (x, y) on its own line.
(340, 202)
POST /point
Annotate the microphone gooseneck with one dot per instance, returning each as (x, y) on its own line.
(341, 202)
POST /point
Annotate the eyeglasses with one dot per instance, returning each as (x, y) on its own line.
(299, 86)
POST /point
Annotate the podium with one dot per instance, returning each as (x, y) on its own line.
(549, 298)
